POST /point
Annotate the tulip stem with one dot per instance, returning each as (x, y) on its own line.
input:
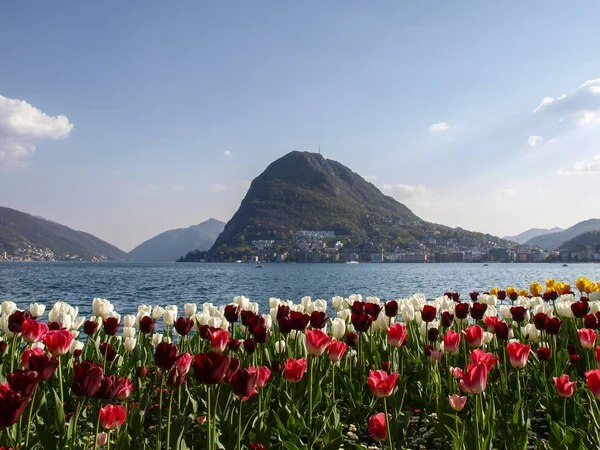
(60, 380)
(239, 446)
(97, 427)
(333, 381)
(31, 406)
(108, 440)
(565, 411)
(75, 420)
(477, 407)
(160, 397)
(310, 387)
(169, 421)
(208, 417)
(387, 423)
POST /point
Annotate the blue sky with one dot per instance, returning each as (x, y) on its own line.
(125, 119)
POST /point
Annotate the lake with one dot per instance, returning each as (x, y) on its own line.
(130, 284)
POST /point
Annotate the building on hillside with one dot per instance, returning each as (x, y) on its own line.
(261, 244)
(377, 257)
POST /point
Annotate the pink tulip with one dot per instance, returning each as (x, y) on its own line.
(474, 380)
(436, 355)
(316, 342)
(457, 402)
(381, 384)
(336, 350)
(34, 331)
(218, 340)
(518, 354)
(474, 335)
(378, 427)
(452, 341)
(263, 375)
(487, 358)
(564, 386)
(58, 342)
(593, 381)
(396, 335)
(587, 338)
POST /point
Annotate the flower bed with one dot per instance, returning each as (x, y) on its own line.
(504, 369)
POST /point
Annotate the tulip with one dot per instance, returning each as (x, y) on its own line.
(147, 324)
(372, 309)
(452, 341)
(351, 339)
(461, 310)
(518, 354)
(587, 338)
(564, 386)
(428, 313)
(580, 309)
(141, 372)
(108, 351)
(210, 368)
(539, 321)
(337, 350)
(474, 335)
(381, 384)
(391, 308)
(219, 340)
(87, 378)
(243, 384)
(165, 355)
(474, 380)
(249, 345)
(316, 342)
(318, 319)
(232, 313)
(189, 309)
(298, 320)
(535, 289)
(338, 328)
(378, 427)
(593, 381)
(111, 325)
(12, 405)
(478, 310)
(261, 334)
(294, 369)
(3, 347)
(396, 335)
(16, 321)
(457, 403)
(23, 381)
(128, 332)
(543, 353)
(518, 313)
(590, 321)
(112, 416)
(169, 317)
(446, 319)
(33, 331)
(257, 446)
(58, 342)
(553, 325)
(361, 321)
(263, 375)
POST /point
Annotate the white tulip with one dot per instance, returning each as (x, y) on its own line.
(487, 337)
(279, 347)
(129, 320)
(273, 313)
(350, 328)
(505, 312)
(128, 332)
(530, 332)
(37, 309)
(8, 307)
(274, 302)
(241, 301)
(38, 344)
(320, 305)
(214, 322)
(268, 321)
(375, 300)
(172, 308)
(338, 328)
(157, 312)
(594, 296)
(305, 301)
(355, 298)
(75, 345)
(407, 310)
(189, 309)
(129, 344)
(64, 319)
(252, 306)
(74, 333)
(101, 307)
(337, 302)
(563, 309)
(156, 339)
(4, 326)
(144, 310)
(77, 322)
(169, 317)
(344, 314)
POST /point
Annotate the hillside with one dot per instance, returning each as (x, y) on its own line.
(553, 241)
(580, 242)
(523, 237)
(173, 244)
(22, 231)
(305, 191)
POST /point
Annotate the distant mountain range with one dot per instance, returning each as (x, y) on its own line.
(579, 243)
(305, 191)
(553, 241)
(35, 237)
(173, 244)
(532, 233)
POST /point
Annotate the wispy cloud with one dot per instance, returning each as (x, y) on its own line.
(216, 188)
(21, 124)
(439, 127)
(586, 166)
(227, 153)
(534, 140)
(406, 191)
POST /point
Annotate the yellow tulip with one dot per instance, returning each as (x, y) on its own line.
(551, 283)
(523, 292)
(494, 291)
(581, 283)
(589, 287)
(510, 290)
(563, 288)
(536, 289)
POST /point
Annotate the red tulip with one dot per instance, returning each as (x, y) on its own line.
(3, 347)
(87, 378)
(543, 353)
(540, 321)
(108, 351)
(491, 322)
(16, 321)
(590, 321)
(593, 381)
(587, 338)
(336, 350)
(474, 296)
(318, 319)
(112, 416)
(378, 427)
(574, 360)
(261, 333)
(294, 369)
(285, 324)
(487, 358)
(428, 313)
(478, 310)
(110, 386)
(381, 384)
(457, 403)
(580, 309)
(180, 368)
(396, 335)
(23, 381)
(316, 342)
(90, 327)
(165, 355)
(33, 331)
(452, 341)
(218, 340)
(28, 352)
(299, 321)
(446, 319)
(518, 354)
(141, 372)
(501, 330)
(58, 342)
(246, 316)
(474, 335)
(564, 386)
(183, 325)
(111, 325)
(249, 345)
(474, 380)
(518, 313)
(257, 446)
(12, 405)
(243, 384)
(276, 366)
(147, 324)
(433, 334)
(263, 375)
(372, 309)
(351, 339)
(461, 310)
(232, 313)
(234, 366)
(361, 321)
(391, 308)
(385, 366)
(553, 325)
(357, 307)
(598, 356)
(125, 389)
(210, 368)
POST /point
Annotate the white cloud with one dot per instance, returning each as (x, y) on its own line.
(21, 124)
(548, 101)
(227, 153)
(371, 178)
(533, 140)
(216, 188)
(589, 165)
(406, 191)
(508, 192)
(583, 106)
(438, 127)
(178, 188)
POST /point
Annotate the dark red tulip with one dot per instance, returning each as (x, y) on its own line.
(428, 348)
(257, 446)
(501, 329)
(584, 298)
(461, 310)
(147, 324)
(428, 313)
(446, 319)
(574, 360)
(233, 344)
(184, 325)
(204, 332)
(246, 315)
(54, 326)
(16, 319)
(478, 310)
(90, 327)
(87, 378)
(474, 296)
(580, 309)
(283, 311)
(3, 347)
(539, 320)
(318, 319)
(513, 295)
(23, 381)
(234, 366)
(391, 308)
(373, 310)
(276, 366)
(553, 325)
(243, 383)
(110, 386)
(299, 321)
(550, 295)
(385, 366)
(165, 355)
(361, 321)
(261, 334)
(77, 353)
(256, 321)
(432, 334)
(43, 364)
(12, 405)
(589, 321)
(357, 307)
(543, 353)
(351, 339)
(285, 324)
(210, 368)
(108, 351)
(501, 295)
(111, 325)
(232, 313)
(249, 345)
(518, 313)
(572, 349)
(141, 372)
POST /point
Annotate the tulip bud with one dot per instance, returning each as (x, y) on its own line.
(189, 309)
(37, 310)
(3, 347)
(169, 318)
(75, 345)
(129, 344)
(280, 347)
(129, 320)
(385, 365)
(276, 366)
(141, 372)
(156, 339)
(102, 439)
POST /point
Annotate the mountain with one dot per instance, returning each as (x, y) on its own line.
(580, 242)
(553, 241)
(28, 235)
(172, 244)
(305, 191)
(532, 233)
